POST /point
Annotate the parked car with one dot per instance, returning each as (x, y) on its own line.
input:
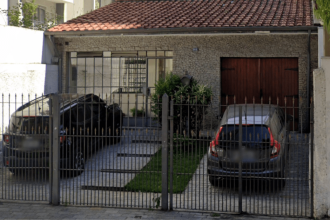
(264, 151)
(86, 125)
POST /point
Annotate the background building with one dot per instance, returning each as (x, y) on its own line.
(66, 9)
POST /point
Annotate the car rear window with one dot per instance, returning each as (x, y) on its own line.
(254, 133)
(35, 125)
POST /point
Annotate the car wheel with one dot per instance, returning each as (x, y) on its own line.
(279, 183)
(215, 182)
(77, 161)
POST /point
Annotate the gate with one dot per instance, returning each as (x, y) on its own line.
(93, 150)
(246, 162)
(25, 148)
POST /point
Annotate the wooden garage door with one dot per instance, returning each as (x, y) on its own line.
(260, 77)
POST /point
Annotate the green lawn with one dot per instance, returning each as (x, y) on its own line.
(185, 162)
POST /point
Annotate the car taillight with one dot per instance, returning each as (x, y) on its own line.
(6, 138)
(275, 144)
(212, 149)
(62, 139)
(214, 143)
(217, 137)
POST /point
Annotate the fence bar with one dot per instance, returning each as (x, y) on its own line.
(55, 151)
(311, 182)
(165, 100)
(240, 161)
(171, 153)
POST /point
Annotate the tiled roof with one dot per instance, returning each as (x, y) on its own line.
(193, 13)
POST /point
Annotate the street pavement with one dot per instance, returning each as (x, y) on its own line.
(24, 210)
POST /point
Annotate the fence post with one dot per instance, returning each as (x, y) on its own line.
(55, 174)
(165, 105)
(240, 161)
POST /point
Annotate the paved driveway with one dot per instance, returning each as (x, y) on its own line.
(259, 198)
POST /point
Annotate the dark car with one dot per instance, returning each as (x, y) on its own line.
(86, 125)
(264, 149)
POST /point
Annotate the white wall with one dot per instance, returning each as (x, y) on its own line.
(89, 5)
(74, 9)
(25, 68)
(106, 2)
(321, 78)
(17, 49)
(3, 16)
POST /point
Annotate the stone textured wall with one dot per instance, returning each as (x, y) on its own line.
(205, 64)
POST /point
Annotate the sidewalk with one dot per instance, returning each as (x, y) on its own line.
(23, 210)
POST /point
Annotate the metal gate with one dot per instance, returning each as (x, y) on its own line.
(247, 161)
(74, 149)
(25, 148)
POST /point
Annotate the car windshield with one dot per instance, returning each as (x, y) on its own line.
(250, 133)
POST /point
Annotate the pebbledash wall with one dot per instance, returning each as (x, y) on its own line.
(203, 65)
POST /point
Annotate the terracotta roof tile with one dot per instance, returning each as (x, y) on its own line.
(124, 14)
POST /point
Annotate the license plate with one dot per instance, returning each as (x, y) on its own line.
(247, 155)
(30, 144)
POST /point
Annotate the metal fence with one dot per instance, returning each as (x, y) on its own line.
(25, 148)
(251, 160)
(101, 150)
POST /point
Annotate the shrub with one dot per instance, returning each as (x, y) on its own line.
(138, 112)
(191, 103)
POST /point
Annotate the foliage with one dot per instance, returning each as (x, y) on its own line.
(183, 141)
(137, 112)
(29, 10)
(24, 15)
(156, 200)
(322, 11)
(14, 15)
(191, 102)
(97, 4)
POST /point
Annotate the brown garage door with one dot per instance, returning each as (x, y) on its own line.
(260, 77)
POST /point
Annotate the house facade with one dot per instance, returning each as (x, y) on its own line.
(242, 51)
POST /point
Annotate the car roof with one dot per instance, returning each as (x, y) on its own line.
(40, 105)
(251, 114)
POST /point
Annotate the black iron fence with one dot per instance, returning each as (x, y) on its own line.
(125, 151)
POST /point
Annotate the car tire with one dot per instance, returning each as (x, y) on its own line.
(77, 161)
(279, 183)
(215, 182)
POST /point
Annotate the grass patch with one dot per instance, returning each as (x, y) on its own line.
(215, 215)
(185, 162)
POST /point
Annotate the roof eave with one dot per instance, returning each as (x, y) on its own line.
(182, 30)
